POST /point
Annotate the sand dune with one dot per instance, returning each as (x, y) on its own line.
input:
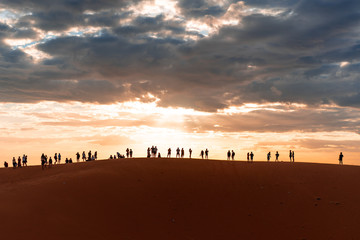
(180, 199)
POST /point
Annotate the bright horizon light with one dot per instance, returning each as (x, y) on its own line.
(45, 127)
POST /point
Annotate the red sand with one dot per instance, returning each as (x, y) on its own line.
(180, 199)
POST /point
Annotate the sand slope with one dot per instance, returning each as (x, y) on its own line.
(180, 199)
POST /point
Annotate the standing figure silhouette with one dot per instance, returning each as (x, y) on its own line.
(251, 156)
(341, 156)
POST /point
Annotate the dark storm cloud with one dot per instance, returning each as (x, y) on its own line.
(292, 56)
(7, 31)
(62, 14)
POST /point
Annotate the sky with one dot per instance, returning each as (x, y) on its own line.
(256, 75)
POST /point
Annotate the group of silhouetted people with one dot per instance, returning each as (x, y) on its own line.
(180, 153)
(250, 157)
(48, 162)
(231, 155)
(268, 156)
(204, 153)
(117, 156)
(292, 156)
(20, 162)
(129, 153)
(151, 152)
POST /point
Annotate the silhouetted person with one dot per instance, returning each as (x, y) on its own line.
(59, 157)
(83, 156)
(77, 156)
(293, 156)
(43, 162)
(131, 153)
(206, 153)
(177, 152)
(127, 152)
(55, 158)
(152, 151)
(89, 155)
(341, 156)
(182, 152)
(6, 164)
(228, 155)
(14, 162)
(148, 152)
(248, 156)
(159, 155)
(202, 154)
(277, 156)
(268, 156)
(251, 156)
(290, 155)
(190, 152)
(19, 161)
(169, 153)
(50, 162)
(232, 155)
(95, 155)
(24, 163)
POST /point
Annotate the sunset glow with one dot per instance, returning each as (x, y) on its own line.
(223, 75)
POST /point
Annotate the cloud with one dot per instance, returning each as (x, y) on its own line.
(279, 119)
(73, 5)
(347, 145)
(100, 123)
(275, 51)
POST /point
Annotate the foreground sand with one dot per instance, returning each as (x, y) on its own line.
(180, 199)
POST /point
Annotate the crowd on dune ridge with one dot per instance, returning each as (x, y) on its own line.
(152, 152)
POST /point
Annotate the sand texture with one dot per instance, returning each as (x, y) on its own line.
(180, 199)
